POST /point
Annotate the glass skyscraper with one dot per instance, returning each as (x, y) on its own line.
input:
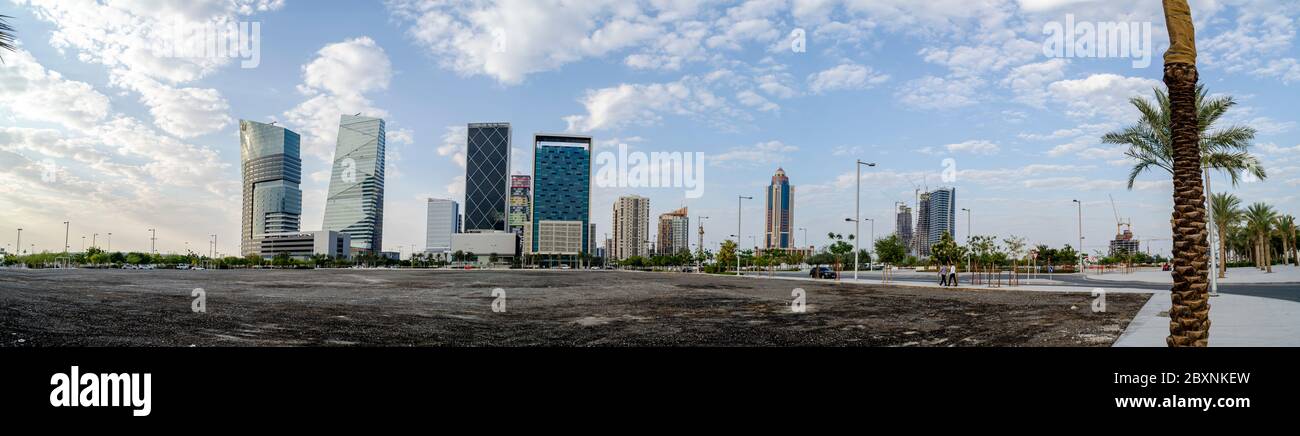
(561, 194)
(780, 212)
(487, 176)
(272, 169)
(442, 222)
(355, 203)
(943, 214)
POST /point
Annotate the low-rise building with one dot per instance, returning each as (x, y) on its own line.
(304, 245)
(486, 246)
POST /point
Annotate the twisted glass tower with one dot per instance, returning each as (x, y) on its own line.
(272, 170)
(355, 204)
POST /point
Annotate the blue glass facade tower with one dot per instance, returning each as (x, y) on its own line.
(561, 209)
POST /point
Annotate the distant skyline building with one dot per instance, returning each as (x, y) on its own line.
(631, 226)
(674, 234)
(272, 171)
(903, 225)
(943, 214)
(487, 176)
(521, 198)
(355, 203)
(561, 208)
(442, 222)
(921, 235)
(592, 248)
(780, 212)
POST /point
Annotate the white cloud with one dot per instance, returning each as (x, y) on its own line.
(183, 112)
(1103, 96)
(645, 104)
(760, 153)
(336, 83)
(974, 147)
(29, 91)
(126, 37)
(454, 142)
(1029, 82)
(510, 39)
(845, 77)
(932, 92)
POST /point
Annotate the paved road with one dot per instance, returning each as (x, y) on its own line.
(1280, 291)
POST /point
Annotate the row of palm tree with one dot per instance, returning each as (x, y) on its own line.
(1251, 231)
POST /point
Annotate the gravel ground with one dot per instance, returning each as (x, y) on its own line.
(543, 308)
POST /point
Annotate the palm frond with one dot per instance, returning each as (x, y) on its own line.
(6, 35)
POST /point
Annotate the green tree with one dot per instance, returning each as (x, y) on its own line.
(891, 249)
(1227, 213)
(947, 250)
(727, 254)
(1259, 221)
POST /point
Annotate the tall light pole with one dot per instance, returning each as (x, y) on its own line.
(153, 240)
(699, 256)
(871, 243)
(110, 242)
(19, 245)
(969, 238)
(66, 226)
(739, 198)
(1081, 252)
(1214, 237)
(857, 212)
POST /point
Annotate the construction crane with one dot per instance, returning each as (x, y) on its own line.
(1123, 233)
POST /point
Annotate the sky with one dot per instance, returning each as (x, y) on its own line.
(103, 126)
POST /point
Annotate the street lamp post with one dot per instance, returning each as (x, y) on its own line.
(699, 256)
(19, 245)
(969, 238)
(1214, 237)
(153, 240)
(1081, 252)
(857, 212)
(110, 242)
(871, 243)
(66, 226)
(739, 198)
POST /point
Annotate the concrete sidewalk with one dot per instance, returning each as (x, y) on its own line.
(1280, 274)
(1237, 320)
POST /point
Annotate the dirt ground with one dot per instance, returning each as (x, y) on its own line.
(542, 308)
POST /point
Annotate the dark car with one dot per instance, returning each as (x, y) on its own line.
(821, 272)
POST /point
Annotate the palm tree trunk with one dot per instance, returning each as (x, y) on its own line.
(1189, 317)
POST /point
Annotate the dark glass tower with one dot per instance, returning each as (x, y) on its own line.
(487, 176)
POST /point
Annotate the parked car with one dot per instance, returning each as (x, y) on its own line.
(821, 272)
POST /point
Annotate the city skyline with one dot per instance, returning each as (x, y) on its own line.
(151, 144)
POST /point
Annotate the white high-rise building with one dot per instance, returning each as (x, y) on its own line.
(631, 227)
(443, 221)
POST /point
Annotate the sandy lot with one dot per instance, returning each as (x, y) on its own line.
(543, 308)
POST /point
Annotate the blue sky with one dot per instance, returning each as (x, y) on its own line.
(138, 140)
